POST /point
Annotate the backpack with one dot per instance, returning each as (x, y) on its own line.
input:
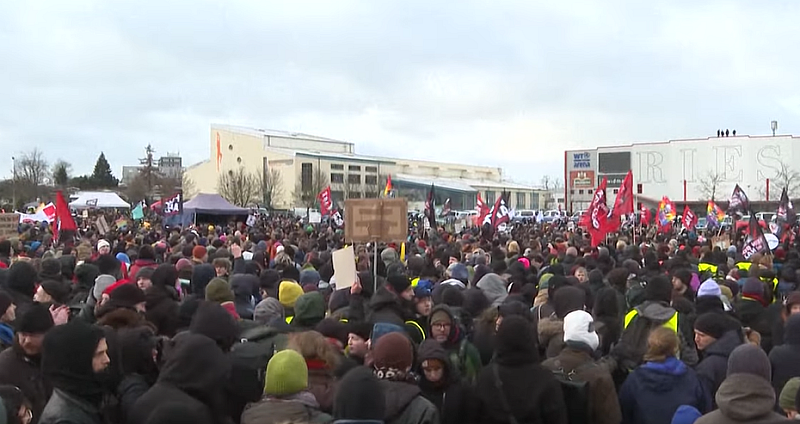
(255, 349)
(576, 394)
(458, 360)
(632, 346)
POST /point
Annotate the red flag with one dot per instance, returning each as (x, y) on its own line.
(325, 202)
(483, 210)
(596, 217)
(63, 221)
(623, 205)
(689, 219)
(645, 215)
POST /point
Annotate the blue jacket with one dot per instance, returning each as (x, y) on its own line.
(653, 392)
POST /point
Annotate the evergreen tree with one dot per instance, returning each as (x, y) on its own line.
(102, 176)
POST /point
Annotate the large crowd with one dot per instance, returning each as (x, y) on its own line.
(244, 324)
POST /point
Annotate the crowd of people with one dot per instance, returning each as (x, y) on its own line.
(237, 324)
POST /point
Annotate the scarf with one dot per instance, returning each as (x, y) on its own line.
(394, 374)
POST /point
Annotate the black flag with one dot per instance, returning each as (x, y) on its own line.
(430, 208)
(756, 242)
(738, 201)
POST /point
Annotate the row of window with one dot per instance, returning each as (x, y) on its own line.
(639, 189)
(353, 168)
(337, 178)
(521, 197)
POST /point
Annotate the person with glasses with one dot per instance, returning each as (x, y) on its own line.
(17, 407)
(463, 356)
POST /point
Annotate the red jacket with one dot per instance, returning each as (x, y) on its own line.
(139, 264)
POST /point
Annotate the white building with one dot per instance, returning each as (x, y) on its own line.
(686, 170)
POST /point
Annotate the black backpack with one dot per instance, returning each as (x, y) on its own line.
(632, 346)
(255, 349)
(576, 394)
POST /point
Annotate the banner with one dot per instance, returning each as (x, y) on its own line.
(739, 200)
(325, 202)
(689, 219)
(756, 242)
(666, 214)
(623, 205)
(63, 218)
(482, 209)
(173, 205)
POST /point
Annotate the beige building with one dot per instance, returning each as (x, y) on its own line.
(308, 163)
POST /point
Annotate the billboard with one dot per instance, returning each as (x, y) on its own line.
(581, 179)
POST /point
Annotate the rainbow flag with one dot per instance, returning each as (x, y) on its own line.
(122, 222)
(666, 211)
(715, 215)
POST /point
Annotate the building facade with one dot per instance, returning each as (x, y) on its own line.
(306, 163)
(689, 170)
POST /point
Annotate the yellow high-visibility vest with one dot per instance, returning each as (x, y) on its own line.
(744, 266)
(289, 319)
(702, 267)
(672, 323)
(419, 327)
(414, 282)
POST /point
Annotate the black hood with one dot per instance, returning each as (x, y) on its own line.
(243, 286)
(195, 365)
(67, 353)
(201, 275)
(791, 332)
(214, 322)
(431, 349)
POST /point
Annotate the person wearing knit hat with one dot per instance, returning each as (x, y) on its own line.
(268, 311)
(21, 282)
(309, 277)
(199, 255)
(393, 357)
(103, 247)
(288, 293)
(787, 397)
(286, 394)
(709, 288)
(716, 335)
(359, 398)
(581, 342)
(309, 310)
(52, 291)
(8, 309)
(754, 289)
(746, 395)
(219, 291)
(358, 334)
(128, 296)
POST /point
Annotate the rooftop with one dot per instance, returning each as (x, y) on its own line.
(260, 132)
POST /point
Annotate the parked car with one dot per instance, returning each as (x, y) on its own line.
(525, 216)
(553, 215)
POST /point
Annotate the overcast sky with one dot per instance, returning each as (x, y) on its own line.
(500, 83)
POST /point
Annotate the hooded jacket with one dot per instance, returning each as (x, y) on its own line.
(23, 371)
(462, 354)
(454, 400)
(603, 395)
(661, 312)
(714, 366)
(243, 286)
(301, 407)
(744, 398)
(653, 392)
(531, 391)
(494, 288)
(406, 405)
(138, 265)
(785, 359)
(385, 306)
(194, 375)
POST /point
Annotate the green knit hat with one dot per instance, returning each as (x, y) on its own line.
(218, 290)
(786, 400)
(287, 374)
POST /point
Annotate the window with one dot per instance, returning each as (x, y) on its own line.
(337, 196)
(520, 200)
(580, 191)
(306, 170)
(354, 178)
(590, 191)
(572, 192)
(639, 188)
(356, 168)
(490, 196)
(534, 201)
(616, 190)
(373, 169)
(337, 178)
(371, 179)
(337, 167)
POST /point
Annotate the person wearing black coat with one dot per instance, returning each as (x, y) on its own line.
(442, 385)
(525, 389)
(716, 336)
(137, 347)
(20, 365)
(193, 376)
(21, 283)
(162, 301)
(74, 359)
(607, 320)
(785, 359)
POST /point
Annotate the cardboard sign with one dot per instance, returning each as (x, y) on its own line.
(102, 225)
(376, 220)
(344, 267)
(9, 224)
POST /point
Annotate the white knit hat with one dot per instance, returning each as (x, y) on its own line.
(578, 328)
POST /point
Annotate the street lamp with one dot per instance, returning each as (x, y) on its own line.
(774, 126)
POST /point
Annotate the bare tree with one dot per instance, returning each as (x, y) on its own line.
(271, 183)
(788, 178)
(187, 185)
(550, 185)
(61, 172)
(31, 173)
(711, 183)
(308, 198)
(239, 187)
(138, 189)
